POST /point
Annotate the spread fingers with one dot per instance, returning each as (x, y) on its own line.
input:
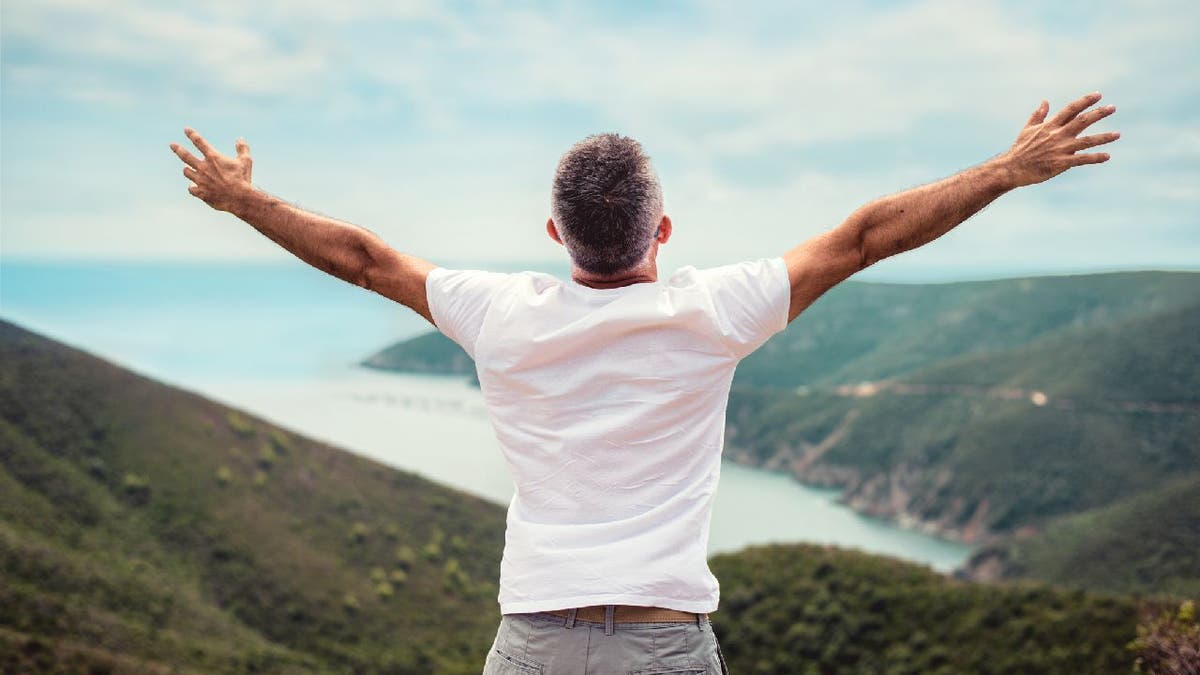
(1089, 118)
(1089, 158)
(1074, 108)
(1084, 142)
(187, 157)
(202, 145)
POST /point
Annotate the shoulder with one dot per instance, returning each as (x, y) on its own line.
(766, 271)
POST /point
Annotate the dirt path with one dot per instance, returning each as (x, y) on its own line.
(1033, 396)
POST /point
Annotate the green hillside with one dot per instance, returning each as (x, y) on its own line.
(1153, 357)
(1146, 544)
(962, 447)
(141, 524)
(802, 610)
(864, 331)
(427, 353)
(147, 529)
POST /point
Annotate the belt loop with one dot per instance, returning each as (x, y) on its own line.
(609, 611)
(699, 624)
(570, 620)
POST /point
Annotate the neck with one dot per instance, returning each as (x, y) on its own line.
(647, 272)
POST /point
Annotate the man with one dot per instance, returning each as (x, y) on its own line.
(607, 391)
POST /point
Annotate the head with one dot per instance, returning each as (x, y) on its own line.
(606, 205)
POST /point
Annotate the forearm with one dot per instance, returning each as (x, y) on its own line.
(906, 220)
(338, 248)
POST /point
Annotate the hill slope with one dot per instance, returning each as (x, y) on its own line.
(143, 524)
(805, 609)
(144, 528)
(865, 332)
(968, 447)
(1148, 543)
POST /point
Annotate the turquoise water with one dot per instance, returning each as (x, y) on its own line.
(179, 320)
(281, 340)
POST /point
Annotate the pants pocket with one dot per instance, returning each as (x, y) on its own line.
(500, 663)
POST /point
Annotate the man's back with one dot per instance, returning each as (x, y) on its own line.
(609, 405)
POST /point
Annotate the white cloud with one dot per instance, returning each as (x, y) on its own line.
(931, 85)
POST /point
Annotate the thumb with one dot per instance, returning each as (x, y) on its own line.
(243, 148)
(1039, 115)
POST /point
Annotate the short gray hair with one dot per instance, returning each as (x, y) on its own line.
(606, 203)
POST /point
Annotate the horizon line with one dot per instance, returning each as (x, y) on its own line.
(927, 274)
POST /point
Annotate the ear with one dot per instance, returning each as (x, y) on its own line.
(664, 229)
(552, 230)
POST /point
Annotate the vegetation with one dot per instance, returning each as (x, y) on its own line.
(427, 353)
(804, 609)
(146, 528)
(133, 538)
(1169, 644)
(1144, 544)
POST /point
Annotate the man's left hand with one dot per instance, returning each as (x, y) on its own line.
(219, 180)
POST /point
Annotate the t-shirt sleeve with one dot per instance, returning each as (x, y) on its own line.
(459, 301)
(751, 300)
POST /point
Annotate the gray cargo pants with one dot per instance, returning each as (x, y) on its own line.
(546, 644)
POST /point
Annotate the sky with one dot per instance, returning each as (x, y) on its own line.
(438, 125)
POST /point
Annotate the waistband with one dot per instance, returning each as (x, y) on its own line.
(627, 614)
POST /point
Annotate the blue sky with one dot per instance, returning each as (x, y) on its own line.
(438, 125)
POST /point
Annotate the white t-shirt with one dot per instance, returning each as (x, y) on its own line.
(609, 407)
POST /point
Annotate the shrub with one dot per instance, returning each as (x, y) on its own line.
(266, 456)
(384, 590)
(280, 441)
(136, 488)
(224, 475)
(350, 602)
(454, 577)
(359, 532)
(405, 557)
(378, 574)
(97, 468)
(260, 477)
(431, 551)
(398, 577)
(239, 424)
(1169, 644)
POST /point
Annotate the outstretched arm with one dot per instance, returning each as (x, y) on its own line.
(904, 221)
(346, 251)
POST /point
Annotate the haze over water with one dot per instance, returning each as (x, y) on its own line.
(281, 341)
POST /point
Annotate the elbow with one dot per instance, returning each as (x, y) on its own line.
(866, 254)
(874, 242)
(363, 264)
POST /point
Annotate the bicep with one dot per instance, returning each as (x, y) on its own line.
(400, 277)
(823, 262)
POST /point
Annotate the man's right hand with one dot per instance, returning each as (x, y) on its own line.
(218, 180)
(346, 251)
(1046, 148)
